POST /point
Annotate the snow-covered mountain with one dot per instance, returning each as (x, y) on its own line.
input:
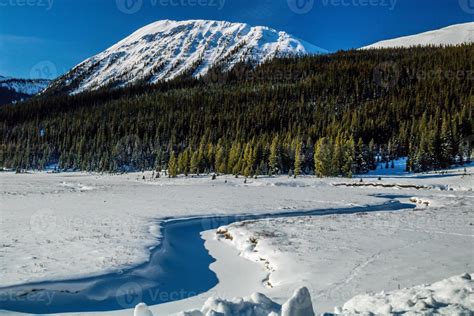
(166, 49)
(12, 89)
(24, 86)
(451, 35)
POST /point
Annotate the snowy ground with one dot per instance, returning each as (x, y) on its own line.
(56, 226)
(61, 225)
(338, 257)
(452, 296)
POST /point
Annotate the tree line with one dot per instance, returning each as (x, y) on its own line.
(328, 115)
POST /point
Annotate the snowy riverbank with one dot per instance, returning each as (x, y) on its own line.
(57, 226)
(339, 257)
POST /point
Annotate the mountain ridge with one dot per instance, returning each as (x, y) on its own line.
(455, 34)
(14, 89)
(166, 49)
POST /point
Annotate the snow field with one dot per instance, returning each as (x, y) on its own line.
(70, 225)
(56, 226)
(452, 296)
(338, 257)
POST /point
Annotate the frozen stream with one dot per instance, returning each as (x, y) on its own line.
(178, 269)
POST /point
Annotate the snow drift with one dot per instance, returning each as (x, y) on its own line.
(255, 305)
(453, 296)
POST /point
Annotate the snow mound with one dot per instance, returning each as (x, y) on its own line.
(142, 310)
(167, 49)
(451, 35)
(453, 296)
(255, 305)
(299, 304)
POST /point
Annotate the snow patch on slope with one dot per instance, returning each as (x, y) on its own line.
(451, 35)
(166, 49)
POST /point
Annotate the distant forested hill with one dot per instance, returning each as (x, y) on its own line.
(8, 96)
(326, 114)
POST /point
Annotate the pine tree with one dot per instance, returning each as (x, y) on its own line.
(195, 163)
(184, 162)
(370, 155)
(220, 159)
(323, 154)
(249, 161)
(234, 161)
(361, 158)
(173, 166)
(274, 156)
(447, 150)
(338, 155)
(298, 159)
(348, 158)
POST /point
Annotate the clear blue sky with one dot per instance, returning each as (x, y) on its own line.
(43, 38)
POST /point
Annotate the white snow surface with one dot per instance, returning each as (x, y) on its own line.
(257, 305)
(69, 225)
(24, 86)
(166, 49)
(452, 35)
(453, 296)
(142, 310)
(56, 226)
(340, 256)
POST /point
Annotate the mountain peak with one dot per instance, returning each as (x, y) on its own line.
(166, 49)
(451, 35)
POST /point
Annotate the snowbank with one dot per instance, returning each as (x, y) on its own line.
(453, 296)
(299, 304)
(142, 310)
(255, 305)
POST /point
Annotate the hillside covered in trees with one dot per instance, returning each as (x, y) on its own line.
(327, 115)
